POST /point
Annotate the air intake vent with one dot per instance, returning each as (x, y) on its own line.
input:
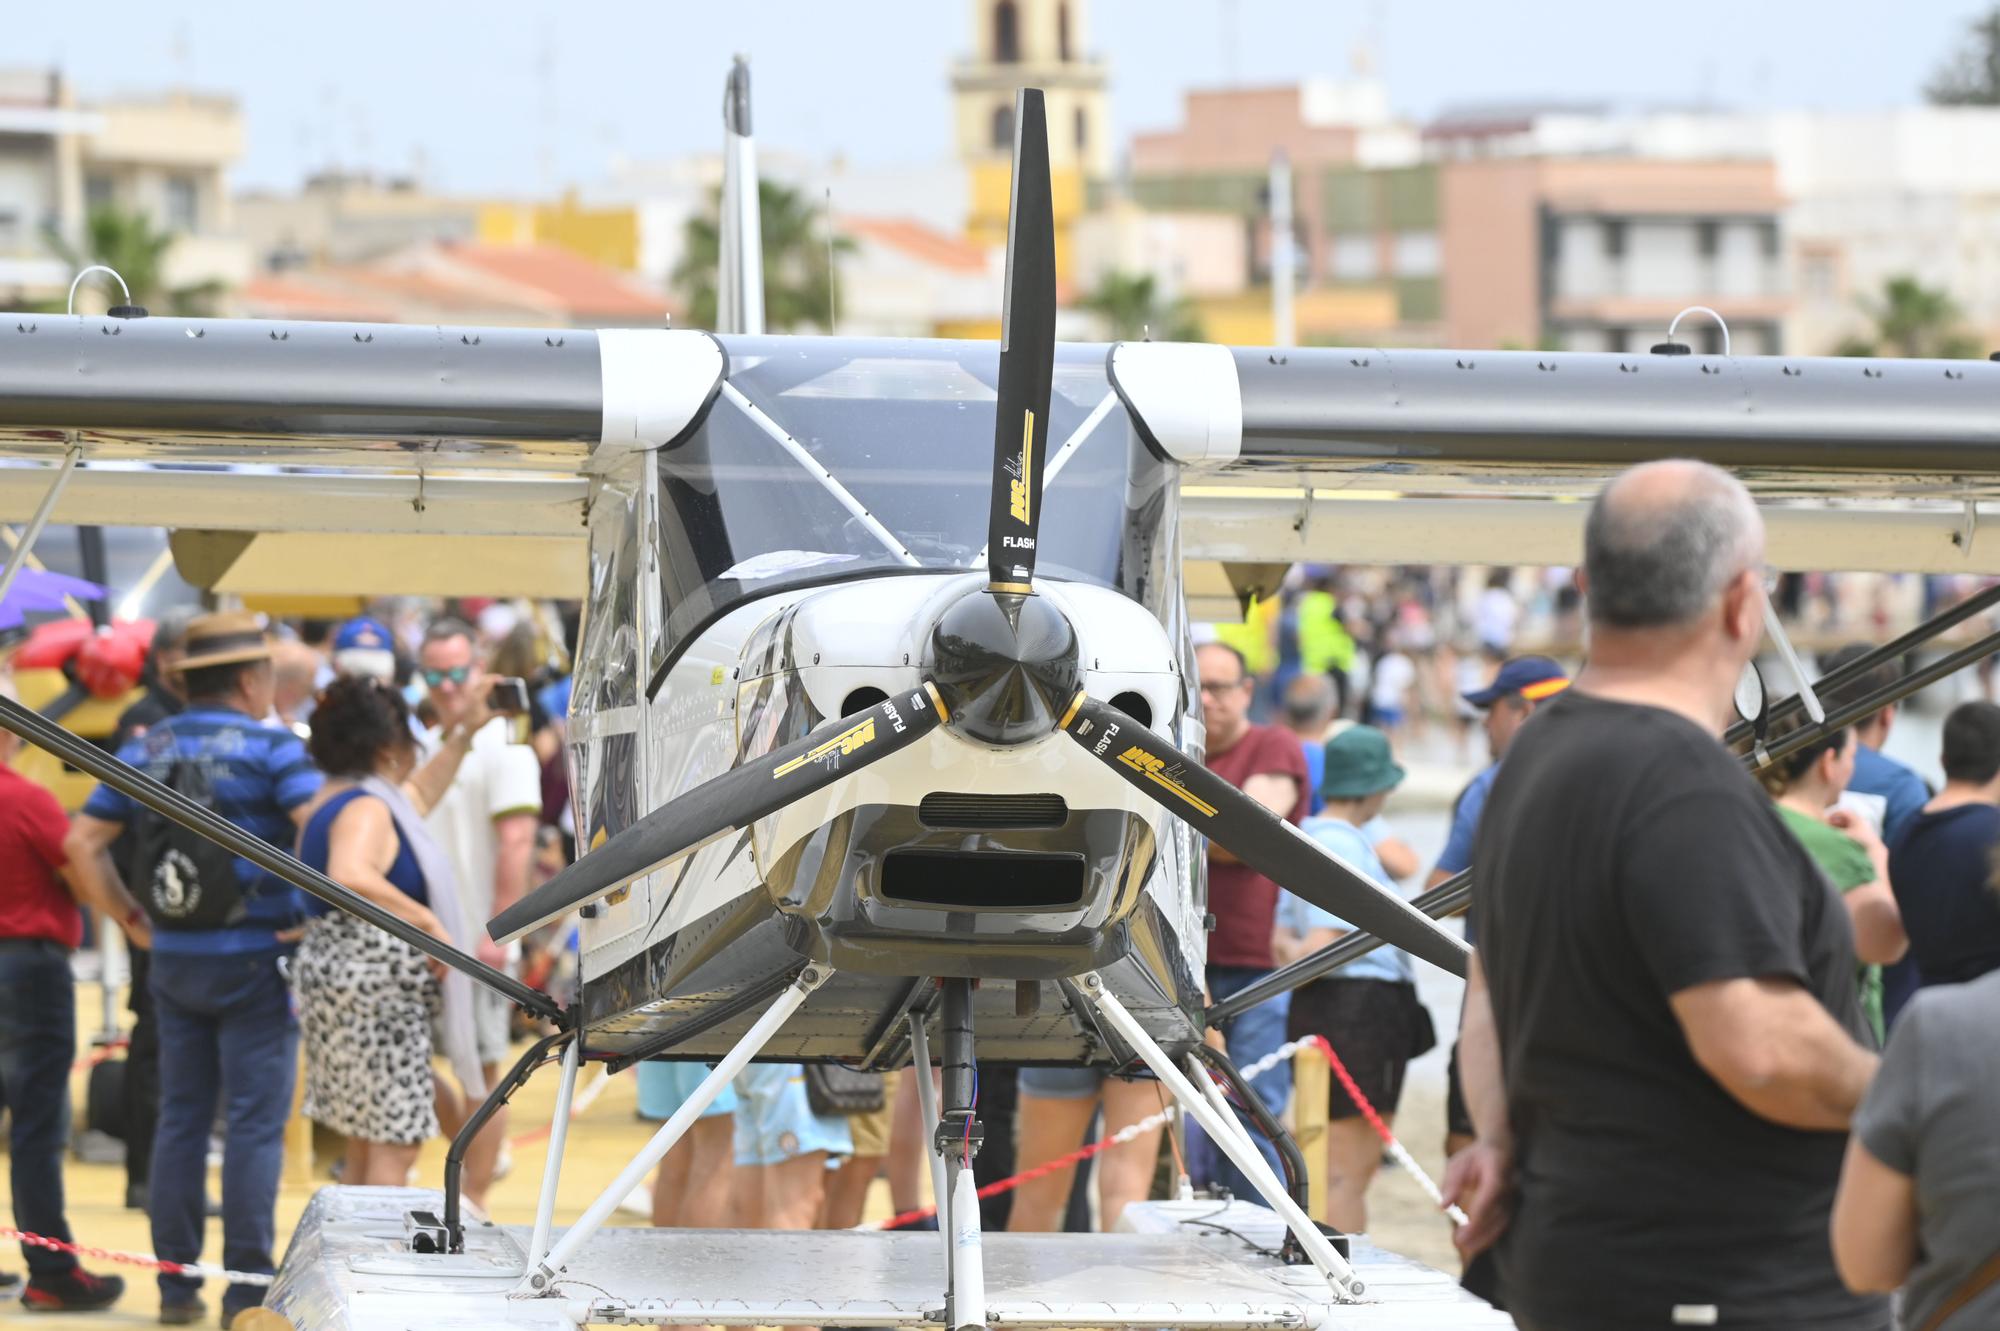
(954, 809)
(976, 881)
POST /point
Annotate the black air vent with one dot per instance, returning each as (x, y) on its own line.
(955, 809)
(976, 881)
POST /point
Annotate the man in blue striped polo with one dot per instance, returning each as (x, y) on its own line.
(222, 928)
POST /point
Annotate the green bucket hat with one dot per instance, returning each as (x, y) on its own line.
(1358, 763)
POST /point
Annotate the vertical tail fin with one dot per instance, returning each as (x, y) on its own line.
(739, 292)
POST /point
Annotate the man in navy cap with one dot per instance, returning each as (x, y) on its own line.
(363, 647)
(1522, 684)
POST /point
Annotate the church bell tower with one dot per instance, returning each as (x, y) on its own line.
(1041, 44)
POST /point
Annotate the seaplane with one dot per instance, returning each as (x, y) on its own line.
(885, 741)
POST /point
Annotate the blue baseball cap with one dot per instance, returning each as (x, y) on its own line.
(1535, 678)
(365, 633)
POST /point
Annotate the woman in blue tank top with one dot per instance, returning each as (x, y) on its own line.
(367, 1001)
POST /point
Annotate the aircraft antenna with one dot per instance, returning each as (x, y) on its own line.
(832, 312)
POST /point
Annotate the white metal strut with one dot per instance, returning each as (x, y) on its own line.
(541, 1276)
(1227, 1134)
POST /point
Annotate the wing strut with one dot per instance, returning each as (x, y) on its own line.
(178, 808)
(1455, 893)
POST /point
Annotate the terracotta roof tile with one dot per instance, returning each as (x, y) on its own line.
(297, 298)
(922, 242)
(568, 280)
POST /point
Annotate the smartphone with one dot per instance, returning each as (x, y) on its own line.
(509, 696)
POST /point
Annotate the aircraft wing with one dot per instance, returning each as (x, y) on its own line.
(1410, 456)
(465, 453)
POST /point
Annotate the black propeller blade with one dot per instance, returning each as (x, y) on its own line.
(1255, 835)
(1027, 357)
(732, 801)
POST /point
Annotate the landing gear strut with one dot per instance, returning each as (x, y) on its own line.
(956, 1137)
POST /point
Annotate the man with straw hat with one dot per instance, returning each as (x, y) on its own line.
(222, 931)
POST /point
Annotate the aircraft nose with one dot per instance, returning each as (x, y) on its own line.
(1006, 665)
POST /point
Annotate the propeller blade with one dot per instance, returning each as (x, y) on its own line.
(730, 802)
(1255, 835)
(1027, 357)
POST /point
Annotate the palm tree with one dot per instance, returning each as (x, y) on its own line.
(799, 266)
(1913, 320)
(1130, 303)
(128, 243)
(1971, 77)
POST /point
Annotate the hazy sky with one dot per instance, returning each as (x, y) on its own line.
(510, 96)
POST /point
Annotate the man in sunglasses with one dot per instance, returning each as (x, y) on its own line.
(486, 824)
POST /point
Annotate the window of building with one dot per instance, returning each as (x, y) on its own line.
(1415, 254)
(1614, 237)
(1062, 34)
(10, 231)
(182, 207)
(1006, 33)
(1819, 275)
(1356, 258)
(1082, 129)
(97, 193)
(1003, 126)
(1767, 235)
(1707, 238)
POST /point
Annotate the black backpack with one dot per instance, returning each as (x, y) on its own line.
(183, 880)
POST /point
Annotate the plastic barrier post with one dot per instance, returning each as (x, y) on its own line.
(1312, 1084)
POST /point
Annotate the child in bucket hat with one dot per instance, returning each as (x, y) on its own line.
(1367, 1010)
(1359, 766)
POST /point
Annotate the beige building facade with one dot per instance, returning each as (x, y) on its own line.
(163, 157)
(1600, 254)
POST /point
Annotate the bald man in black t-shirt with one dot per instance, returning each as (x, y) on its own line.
(1662, 1047)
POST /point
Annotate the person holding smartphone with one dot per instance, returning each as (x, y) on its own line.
(486, 824)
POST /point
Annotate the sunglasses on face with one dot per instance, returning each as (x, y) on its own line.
(457, 675)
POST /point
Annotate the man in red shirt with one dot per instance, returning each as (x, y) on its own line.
(1267, 764)
(40, 924)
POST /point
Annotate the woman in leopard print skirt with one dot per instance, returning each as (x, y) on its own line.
(367, 1000)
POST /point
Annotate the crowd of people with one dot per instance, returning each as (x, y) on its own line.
(1726, 1052)
(388, 762)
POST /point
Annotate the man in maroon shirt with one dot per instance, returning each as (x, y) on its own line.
(40, 925)
(1267, 764)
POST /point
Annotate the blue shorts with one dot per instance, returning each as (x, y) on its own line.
(1061, 1083)
(665, 1087)
(775, 1121)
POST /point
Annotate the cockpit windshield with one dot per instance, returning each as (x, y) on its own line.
(824, 458)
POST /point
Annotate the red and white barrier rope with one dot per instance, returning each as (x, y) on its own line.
(1147, 1124)
(1395, 1148)
(200, 1269)
(1125, 1134)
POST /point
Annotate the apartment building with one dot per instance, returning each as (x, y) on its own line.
(162, 156)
